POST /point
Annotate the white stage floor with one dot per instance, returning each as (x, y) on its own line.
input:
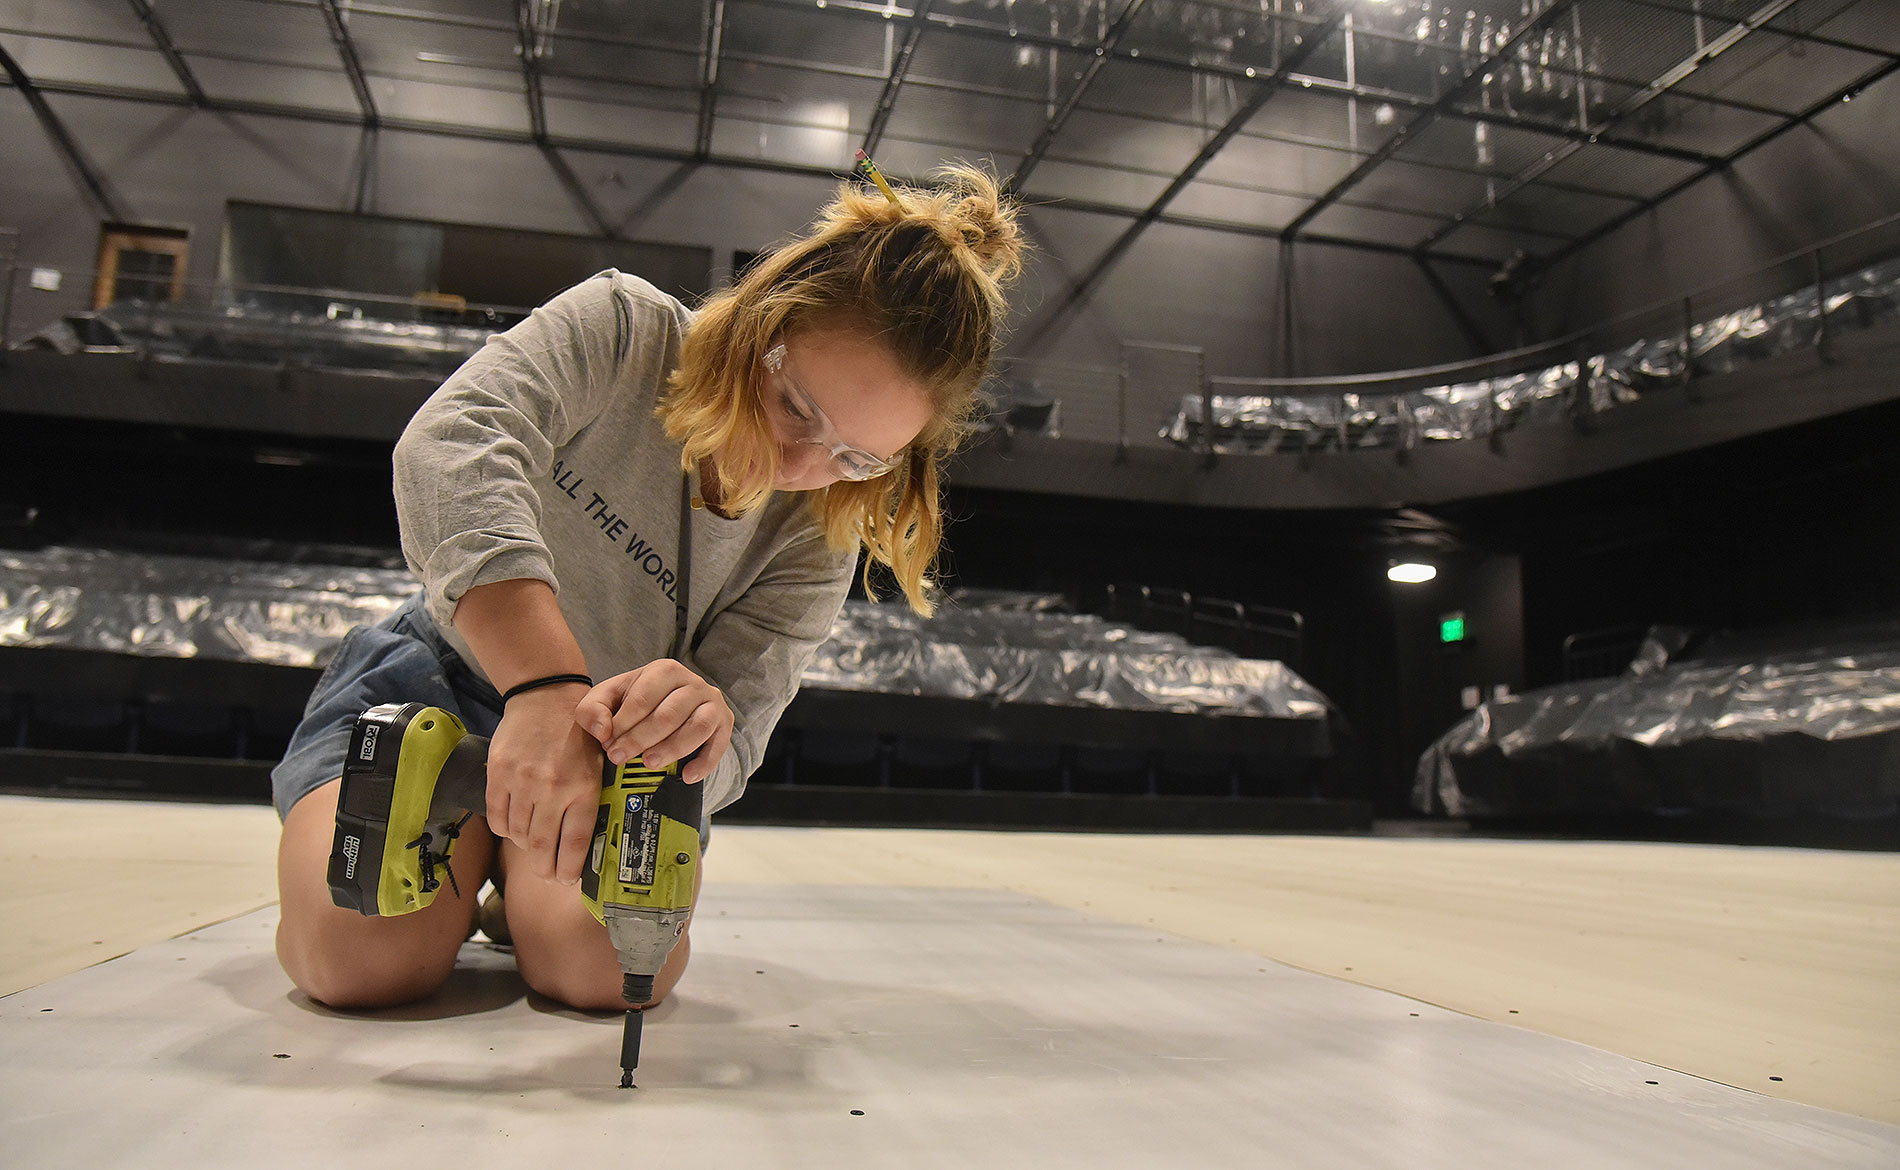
(847, 1026)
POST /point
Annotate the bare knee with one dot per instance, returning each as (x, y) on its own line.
(561, 951)
(358, 977)
(590, 985)
(590, 991)
(347, 960)
(564, 954)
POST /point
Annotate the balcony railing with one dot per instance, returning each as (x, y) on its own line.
(1154, 394)
(424, 335)
(1161, 396)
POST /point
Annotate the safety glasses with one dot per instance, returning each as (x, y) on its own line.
(808, 424)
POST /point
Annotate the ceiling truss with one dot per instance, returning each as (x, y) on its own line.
(1560, 157)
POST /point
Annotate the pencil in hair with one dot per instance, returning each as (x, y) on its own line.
(869, 170)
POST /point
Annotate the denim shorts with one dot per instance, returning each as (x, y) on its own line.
(401, 659)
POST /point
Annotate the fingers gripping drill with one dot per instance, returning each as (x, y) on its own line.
(413, 777)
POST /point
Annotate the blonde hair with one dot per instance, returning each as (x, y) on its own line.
(924, 277)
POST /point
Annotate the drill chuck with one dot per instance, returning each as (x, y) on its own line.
(636, 989)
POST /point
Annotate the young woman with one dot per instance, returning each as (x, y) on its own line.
(671, 502)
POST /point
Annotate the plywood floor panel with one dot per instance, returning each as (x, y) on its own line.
(82, 881)
(1739, 965)
(831, 1026)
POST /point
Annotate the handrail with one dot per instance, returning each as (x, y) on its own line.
(218, 287)
(282, 326)
(1005, 362)
(1166, 346)
(1508, 356)
(1241, 625)
(216, 295)
(1373, 383)
(1115, 383)
(1813, 251)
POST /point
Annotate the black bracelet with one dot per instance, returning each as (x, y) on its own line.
(552, 680)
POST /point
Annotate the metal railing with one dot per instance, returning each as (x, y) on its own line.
(1081, 398)
(1128, 404)
(1251, 631)
(1601, 653)
(1156, 395)
(1680, 314)
(274, 325)
(1167, 385)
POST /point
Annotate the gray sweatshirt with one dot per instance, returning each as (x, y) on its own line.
(541, 458)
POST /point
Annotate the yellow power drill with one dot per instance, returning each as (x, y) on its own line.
(413, 777)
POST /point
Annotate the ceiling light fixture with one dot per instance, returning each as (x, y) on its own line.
(1411, 573)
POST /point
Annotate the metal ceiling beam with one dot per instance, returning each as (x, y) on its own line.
(577, 190)
(1329, 86)
(1853, 88)
(528, 38)
(1778, 30)
(352, 64)
(163, 40)
(1695, 157)
(1480, 344)
(56, 130)
(1409, 43)
(1104, 52)
(1488, 263)
(1335, 88)
(1515, 122)
(769, 166)
(1701, 99)
(900, 65)
(1365, 204)
(1315, 35)
(366, 171)
(709, 76)
(1676, 75)
(1018, 36)
(1325, 86)
(1426, 118)
(528, 48)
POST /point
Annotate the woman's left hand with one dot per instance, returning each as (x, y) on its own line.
(661, 712)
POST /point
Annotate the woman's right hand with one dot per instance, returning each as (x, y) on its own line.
(544, 781)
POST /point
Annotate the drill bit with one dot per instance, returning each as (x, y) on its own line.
(630, 1046)
(637, 990)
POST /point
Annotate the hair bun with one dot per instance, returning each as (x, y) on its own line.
(980, 217)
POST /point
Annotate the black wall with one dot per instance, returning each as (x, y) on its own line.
(1797, 525)
(1371, 645)
(1802, 524)
(1437, 682)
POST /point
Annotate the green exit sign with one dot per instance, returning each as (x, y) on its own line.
(1451, 628)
